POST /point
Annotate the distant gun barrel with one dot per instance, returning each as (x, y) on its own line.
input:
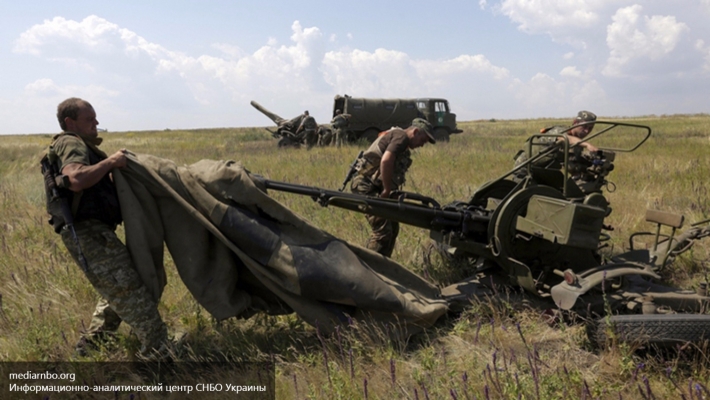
(274, 117)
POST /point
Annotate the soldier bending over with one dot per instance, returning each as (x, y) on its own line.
(381, 171)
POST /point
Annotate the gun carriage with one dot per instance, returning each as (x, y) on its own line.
(539, 229)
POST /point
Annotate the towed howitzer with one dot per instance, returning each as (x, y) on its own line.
(286, 129)
(543, 232)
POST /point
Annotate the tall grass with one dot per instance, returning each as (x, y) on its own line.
(491, 350)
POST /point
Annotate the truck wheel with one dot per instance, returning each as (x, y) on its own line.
(370, 135)
(659, 330)
(441, 134)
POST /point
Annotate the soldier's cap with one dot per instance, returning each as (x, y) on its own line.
(585, 116)
(424, 125)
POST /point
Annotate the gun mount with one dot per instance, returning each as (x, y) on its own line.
(540, 227)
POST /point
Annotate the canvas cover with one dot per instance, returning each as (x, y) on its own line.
(238, 251)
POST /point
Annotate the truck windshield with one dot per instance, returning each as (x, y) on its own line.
(441, 106)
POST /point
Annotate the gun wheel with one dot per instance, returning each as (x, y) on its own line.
(659, 330)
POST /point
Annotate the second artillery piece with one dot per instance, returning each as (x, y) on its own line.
(540, 228)
(287, 129)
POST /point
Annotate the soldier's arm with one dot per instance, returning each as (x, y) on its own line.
(386, 173)
(574, 140)
(83, 176)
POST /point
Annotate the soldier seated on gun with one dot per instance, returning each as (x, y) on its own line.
(381, 171)
(574, 136)
(307, 132)
(88, 231)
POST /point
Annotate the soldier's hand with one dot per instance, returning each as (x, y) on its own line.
(118, 159)
(385, 194)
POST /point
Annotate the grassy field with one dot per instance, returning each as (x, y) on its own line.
(486, 352)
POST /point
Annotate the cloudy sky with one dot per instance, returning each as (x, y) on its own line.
(197, 64)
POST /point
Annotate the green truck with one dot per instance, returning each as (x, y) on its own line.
(370, 116)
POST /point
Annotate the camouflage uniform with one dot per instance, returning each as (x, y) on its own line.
(553, 160)
(307, 132)
(109, 267)
(368, 183)
(340, 122)
(544, 162)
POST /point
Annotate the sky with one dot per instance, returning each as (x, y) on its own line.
(147, 65)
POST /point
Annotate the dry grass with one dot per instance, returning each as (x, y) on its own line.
(490, 351)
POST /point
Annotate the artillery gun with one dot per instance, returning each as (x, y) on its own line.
(286, 128)
(539, 230)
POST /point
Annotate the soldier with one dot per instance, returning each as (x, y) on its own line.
(100, 254)
(574, 136)
(340, 122)
(381, 170)
(307, 132)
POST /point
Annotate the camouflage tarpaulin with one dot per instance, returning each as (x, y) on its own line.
(238, 251)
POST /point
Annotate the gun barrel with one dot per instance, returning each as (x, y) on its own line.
(406, 212)
(274, 117)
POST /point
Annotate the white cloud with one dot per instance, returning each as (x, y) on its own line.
(543, 95)
(571, 72)
(233, 52)
(565, 21)
(632, 36)
(482, 4)
(568, 56)
(375, 73)
(534, 16)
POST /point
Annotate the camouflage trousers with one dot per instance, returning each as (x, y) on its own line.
(340, 138)
(112, 273)
(384, 232)
(309, 137)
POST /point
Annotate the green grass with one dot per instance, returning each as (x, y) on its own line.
(490, 351)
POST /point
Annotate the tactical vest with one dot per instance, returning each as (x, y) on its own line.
(369, 164)
(99, 202)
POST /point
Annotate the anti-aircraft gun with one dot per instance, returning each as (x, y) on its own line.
(286, 128)
(540, 228)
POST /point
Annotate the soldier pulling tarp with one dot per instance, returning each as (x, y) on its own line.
(239, 251)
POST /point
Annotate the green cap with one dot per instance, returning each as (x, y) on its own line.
(585, 116)
(424, 125)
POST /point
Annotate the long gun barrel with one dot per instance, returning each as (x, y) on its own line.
(407, 208)
(274, 117)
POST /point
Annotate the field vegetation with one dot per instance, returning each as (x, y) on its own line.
(487, 352)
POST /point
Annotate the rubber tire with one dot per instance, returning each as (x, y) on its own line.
(370, 135)
(660, 330)
(441, 135)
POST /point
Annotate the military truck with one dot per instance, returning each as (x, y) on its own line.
(370, 116)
